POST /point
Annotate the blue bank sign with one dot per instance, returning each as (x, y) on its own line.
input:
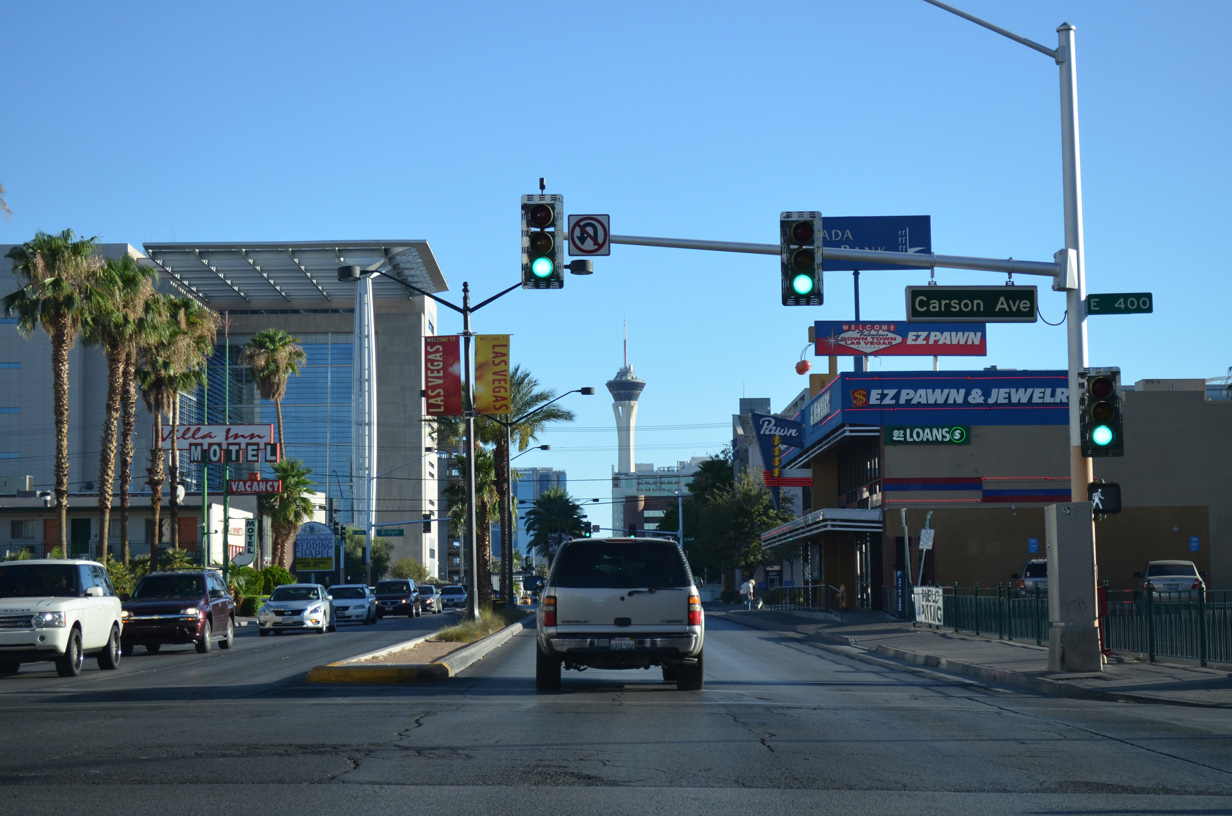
(882, 233)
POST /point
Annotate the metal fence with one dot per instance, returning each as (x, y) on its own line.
(1191, 625)
(820, 597)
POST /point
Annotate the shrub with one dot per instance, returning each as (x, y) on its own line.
(273, 576)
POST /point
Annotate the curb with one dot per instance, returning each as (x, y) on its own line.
(451, 665)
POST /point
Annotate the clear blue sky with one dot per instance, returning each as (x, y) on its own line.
(302, 121)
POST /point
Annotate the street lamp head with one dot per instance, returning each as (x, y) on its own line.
(348, 274)
(587, 391)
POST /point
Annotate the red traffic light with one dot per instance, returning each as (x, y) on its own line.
(1101, 387)
(802, 232)
(541, 215)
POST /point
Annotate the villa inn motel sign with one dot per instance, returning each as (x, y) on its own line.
(224, 444)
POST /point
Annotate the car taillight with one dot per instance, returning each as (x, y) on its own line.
(1022, 583)
(1197, 584)
(695, 610)
(549, 610)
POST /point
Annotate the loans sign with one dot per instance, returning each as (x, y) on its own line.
(927, 435)
(988, 304)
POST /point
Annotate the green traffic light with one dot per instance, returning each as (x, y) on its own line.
(541, 267)
(802, 284)
(1102, 436)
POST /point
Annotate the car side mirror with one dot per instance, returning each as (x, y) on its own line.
(329, 597)
(94, 592)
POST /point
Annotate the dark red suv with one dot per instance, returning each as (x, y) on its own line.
(186, 606)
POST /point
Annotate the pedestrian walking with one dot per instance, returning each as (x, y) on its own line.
(746, 593)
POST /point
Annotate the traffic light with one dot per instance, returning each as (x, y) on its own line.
(1100, 420)
(543, 241)
(427, 523)
(585, 529)
(800, 247)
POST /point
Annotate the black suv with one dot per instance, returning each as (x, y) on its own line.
(186, 606)
(398, 596)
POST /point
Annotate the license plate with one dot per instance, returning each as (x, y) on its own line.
(623, 643)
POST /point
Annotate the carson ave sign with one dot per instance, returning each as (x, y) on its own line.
(986, 304)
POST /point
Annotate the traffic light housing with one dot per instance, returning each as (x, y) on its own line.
(1101, 426)
(543, 241)
(800, 248)
(1105, 497)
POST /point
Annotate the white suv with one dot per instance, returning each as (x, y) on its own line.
(58, 609)
(620, 603)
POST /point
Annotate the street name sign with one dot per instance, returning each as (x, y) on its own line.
(987, 304)
(1122, 303)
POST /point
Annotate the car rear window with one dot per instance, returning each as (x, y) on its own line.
(154, 587)
(1172, 568)
(619, 565)
(1035, 571)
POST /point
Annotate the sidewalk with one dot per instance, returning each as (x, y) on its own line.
(877, 635)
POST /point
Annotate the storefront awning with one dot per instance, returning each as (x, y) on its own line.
(824, 520)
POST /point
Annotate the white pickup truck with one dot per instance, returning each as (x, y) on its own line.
(620, 603)
(58, 609)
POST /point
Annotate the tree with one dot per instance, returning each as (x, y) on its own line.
(732, 520)
(381, 551)
(554, 512)
(56, 274)
(528, 414)
(171, 359)
(711, 475)
(409, 568)
(113, 323)
(486, 512)
(5, 207)
(273, 355)
(289, 508)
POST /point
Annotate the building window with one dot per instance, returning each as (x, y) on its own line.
(10, 410)
(22, 529)
(4, 455)
(10, 365)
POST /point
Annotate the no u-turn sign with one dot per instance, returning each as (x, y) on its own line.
(590, 235)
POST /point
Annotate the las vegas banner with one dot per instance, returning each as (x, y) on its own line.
(443, 376)
(492, 374)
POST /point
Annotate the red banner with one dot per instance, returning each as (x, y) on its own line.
(443, 376)
(492, 373)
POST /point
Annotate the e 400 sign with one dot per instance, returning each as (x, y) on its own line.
(1123, 303)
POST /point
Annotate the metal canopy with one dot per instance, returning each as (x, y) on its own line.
(300, 272)
(845, 519)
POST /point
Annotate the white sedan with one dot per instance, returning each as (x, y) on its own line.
(297, 606)
(354, 603)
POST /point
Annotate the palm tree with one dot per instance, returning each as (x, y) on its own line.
(553, 512)
(56, 273)
(273, 355)
(179, 334)
(289, 508)
(113, 324)
(487, 510)
(195, 330)
(5, 207)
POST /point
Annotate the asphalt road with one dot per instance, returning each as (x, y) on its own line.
(782, 724)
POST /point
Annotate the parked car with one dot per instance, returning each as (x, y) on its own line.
(453, 597)
(296, 606)
(185, 606)
(430, 598)
(59, 610)
(1034, 575)
(620, 603)
(398, 596)
(1171, 580)
(354, 603)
